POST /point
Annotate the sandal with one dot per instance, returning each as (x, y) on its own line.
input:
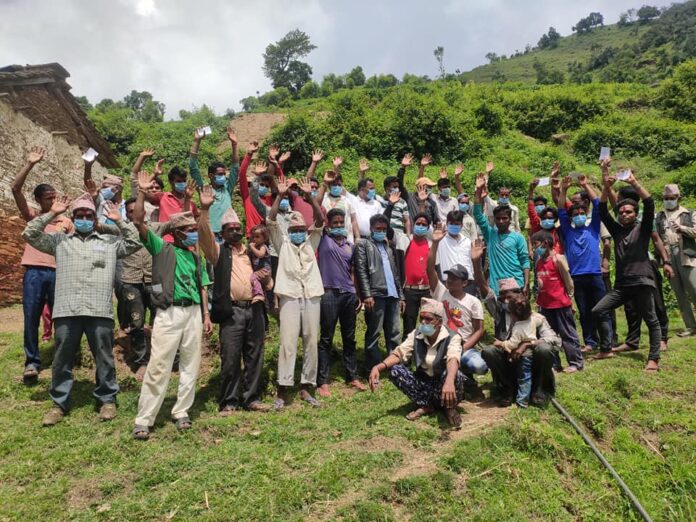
(418, 413)
(307, 397)
(278, 404)
(141, 432)
(183, 423)
(30, 375)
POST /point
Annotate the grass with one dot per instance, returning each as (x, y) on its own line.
(356, 458)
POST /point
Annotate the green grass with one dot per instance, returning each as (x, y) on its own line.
(356, 458)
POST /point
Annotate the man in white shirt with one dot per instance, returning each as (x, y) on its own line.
(443, 201)
(366, 205)
(503, 199)
(331, 195)
(455, 249)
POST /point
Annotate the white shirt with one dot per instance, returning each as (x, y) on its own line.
(364, 210)
(444, 206)
(460, 312)
(345, 203)
(455, 250)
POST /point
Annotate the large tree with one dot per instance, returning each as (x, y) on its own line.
(144, 106)
(281, 61)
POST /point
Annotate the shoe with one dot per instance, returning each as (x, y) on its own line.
(259, 406)
(418, 413)
(30, 375)
(54, 416)
(107, 411)
(504, 402)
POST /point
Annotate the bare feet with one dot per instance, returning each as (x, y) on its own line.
(652, 367)
(570, 369)
(663, 346)
(357, 385)
(140, 373)
(587, 349)
(605, 355)
(623, 348)
(323, 390)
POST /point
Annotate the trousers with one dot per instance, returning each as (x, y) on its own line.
(298, 316)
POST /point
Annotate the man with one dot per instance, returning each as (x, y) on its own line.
(420, 200)
(366, 205)
(507, 250)
(416, 285)
(455, 249)
(437, 382)
(541, 217)
(444, 201)
(489, 204)
(677, 228)
(175, 201)
(179, 294)
(111, 189)
(464, 313)
(339, 302)
(85, 273)
(241, 317)
(223, 185)
(39, 282)
(581, 240)
(634, 272)
(331, 195)
(377, 275)
(299, 289)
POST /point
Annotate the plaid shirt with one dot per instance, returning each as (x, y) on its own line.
(85, 266)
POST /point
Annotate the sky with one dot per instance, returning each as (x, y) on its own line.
(193, 52)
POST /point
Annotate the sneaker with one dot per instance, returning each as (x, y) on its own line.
(54, 416)
(107, 411)
(30, 375)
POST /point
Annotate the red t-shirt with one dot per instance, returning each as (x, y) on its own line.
(552, 292)
(252, 216)
(416, 262)
(535, 224)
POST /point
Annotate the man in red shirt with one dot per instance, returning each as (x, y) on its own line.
(416, 284)
(177, 200)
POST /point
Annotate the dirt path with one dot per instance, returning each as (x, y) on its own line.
(11, 319)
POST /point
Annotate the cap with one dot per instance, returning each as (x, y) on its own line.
(425, 181)
(509, 283)
(458, 271)
(182, 219)
(112, 181)
(85, 201)
(296, 220)
(671, 189)
(229, 217)
(432, 306)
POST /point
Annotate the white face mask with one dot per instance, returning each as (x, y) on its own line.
(670, 204)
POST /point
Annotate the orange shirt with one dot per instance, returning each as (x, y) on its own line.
(33, 257)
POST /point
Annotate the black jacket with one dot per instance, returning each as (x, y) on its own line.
(370, 272)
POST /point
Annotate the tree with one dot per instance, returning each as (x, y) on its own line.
(546, 76)
(439, 54)
(357, 75)
(492, 57)
(585, 25)
(647, 13)
(281, 61)
(144, 106)
(549, 40)
(249, 103)
(83, 102)
(310, 89)
(627, 18)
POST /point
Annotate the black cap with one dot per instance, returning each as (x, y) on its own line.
(458, 271)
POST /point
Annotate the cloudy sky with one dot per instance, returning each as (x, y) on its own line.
(191, 52)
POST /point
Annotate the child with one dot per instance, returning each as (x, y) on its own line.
(260, 258)
(554, 298)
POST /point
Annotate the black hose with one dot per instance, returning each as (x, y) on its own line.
(631, 497)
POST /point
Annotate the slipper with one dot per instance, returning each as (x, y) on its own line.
(141, 432)
(278, 404)
(310, 400)
(183, 423)
(570, 369)
(418, 413)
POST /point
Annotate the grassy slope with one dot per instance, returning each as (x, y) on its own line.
(357, 458)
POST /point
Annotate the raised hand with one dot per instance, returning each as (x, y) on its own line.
(583, 181)
(363, 166)
(556, 169)
(145, 180)
(395, 197)
(426, 160)
(207, 197)
(261, 167)
(443, 172)
(566, 183)
(198, 135)
(337, 162)
(285, 156)
(609, 182)
(147, 153)
(458, 169)
(305, 185)
(60, 205)
(317, 155)
(329, 176)
(533, 184)
(252, 147)
(477, 249)
(158, 167)
(480, 182)
(231, 134)
(605, 164)
(112, 211)
(631, 180)
(190, 189)
(282, 188)
(273, 152)
(422, 194)
(91, 188)
(438, 233)
(407, 160)
(489, 167)
(35, 155)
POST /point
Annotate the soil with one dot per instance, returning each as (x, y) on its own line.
(253, 127)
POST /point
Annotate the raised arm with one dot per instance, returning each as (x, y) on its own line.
(34, 156)
(433, 278)
(337, 163)
(205, 233)
(458, 169)
(585, 184)
(317, 155)
(282, 191)
(363, 167)
(405, 163)
(138, 166)
(128, 242)
(144, 185)
(477, 249)
(34, 232)
(479, 217)
(193, 158)
(555, 183)
(273, 152)
(243, 181)
(317, 214)
(426, 160)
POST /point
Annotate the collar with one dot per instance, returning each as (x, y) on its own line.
(444, 333)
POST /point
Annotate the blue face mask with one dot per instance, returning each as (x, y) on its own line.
(284, 205)
(297, 238)
(394, 190)
(314, 194)
(180, 186)
(420, 230)
(338, 232)
(336, 190)
(453, 229)
(220, 179)
(539, 209)
(579, 220)
(191, 239)
(371, 194)
(547, 224)
(464, 207)
(84, 226)
(427, 329)
(445, 192)
(107, 193)
(263, 190)
(379, 236)
(539, 251)
(503, 201)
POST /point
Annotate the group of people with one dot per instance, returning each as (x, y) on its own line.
(422, 265)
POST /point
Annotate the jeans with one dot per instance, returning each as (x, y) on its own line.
(134, 300)
(472, 362)
(524, 380)
(37, 289)
(422, 389)
(589, 290)
(633, 318)
(242, 339)
(563, 323)
(644, 303)
(606, 277)
(413, 298)
(336, 307)
(99, 332)
(383, 317)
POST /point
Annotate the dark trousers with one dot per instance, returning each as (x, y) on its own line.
(422, 389)
(504, 372)
(135, 300)
(589, 290)
(633, 317)
(384, 317)
(38, 289)
(644, 303)
(606, 277)
(337, 307)
(99, 332)
(413, 298)
(563, 323)
(242, 338)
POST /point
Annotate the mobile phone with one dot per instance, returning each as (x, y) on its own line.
(206, 130)
(604, 153)
(543, 182)
(623, 175)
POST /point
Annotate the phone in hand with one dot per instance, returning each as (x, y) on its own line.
(604, 153)
(623, 175)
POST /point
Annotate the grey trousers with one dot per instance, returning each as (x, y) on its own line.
(298, 316)
(684, 286)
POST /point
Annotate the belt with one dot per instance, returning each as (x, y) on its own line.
(242, 304)
(182, 302)
(417, 287)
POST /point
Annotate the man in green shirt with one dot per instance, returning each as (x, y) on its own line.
(178, 293)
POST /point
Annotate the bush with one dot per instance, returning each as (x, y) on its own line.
(677, 96)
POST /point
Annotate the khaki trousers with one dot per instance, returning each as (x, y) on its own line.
(298, 316)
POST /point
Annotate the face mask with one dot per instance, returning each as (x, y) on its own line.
(464, 207)
(220, 179)
(579, 220)
(454, 230)
(180, 186)
(379, 236)
(84, 226)
(420, 230)
(191, 239)
(235, 237)
(107, 193)
(297, 238)
(547, 224)
(445, 192)
(539, 251)
(371, 194)
(263, 190)
(393, 191)
(539, 209)
(427, 329)
(428, 191)
(503, 201)
(338, 232)
(284, 205)
(314, 194)
(670, 204)
(336, 190)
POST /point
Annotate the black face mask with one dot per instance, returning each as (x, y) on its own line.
(235, 237)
